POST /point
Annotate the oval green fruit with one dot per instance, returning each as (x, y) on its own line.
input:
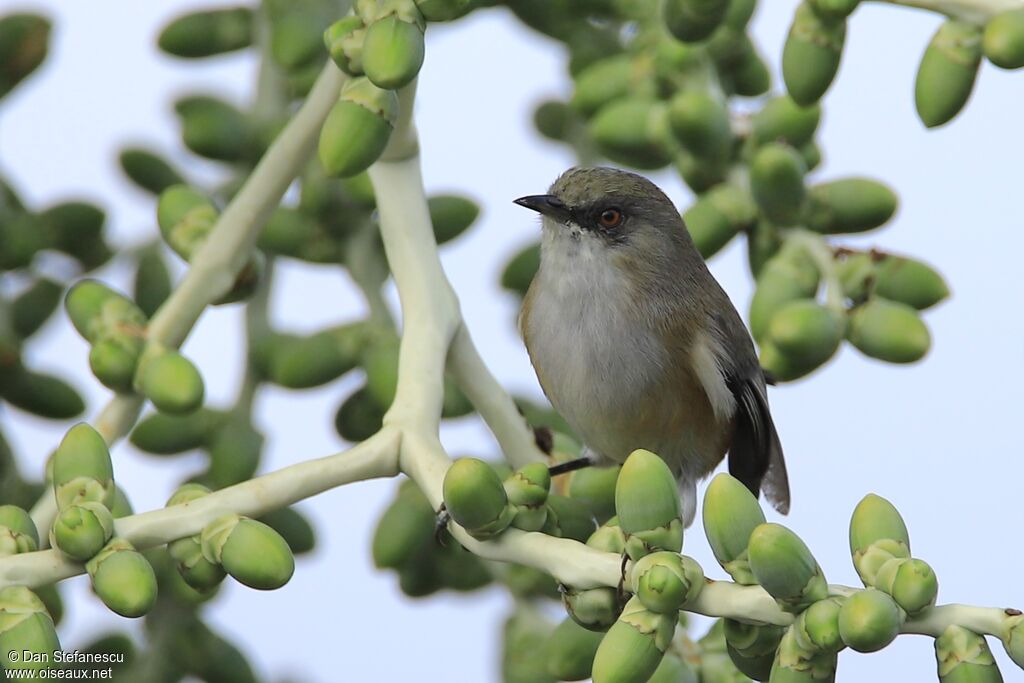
(777, 182)
(783, 120)
(811, 55)
(602, 82)
(701, 123)
(889, 331)
(806, 331)
(147, 170)
(570, 650)
(909, 281)
(392, 52)
(354, 136)
(633, 131)
(473, 494)
(208, 33)
(519, 272)
(849, 205)
(172, 383)
(256, 555)
(1003, 40)
(946, 75)
(869, 620)
(693, 20)
(451, 215)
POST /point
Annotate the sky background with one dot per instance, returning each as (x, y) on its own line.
(941, 439)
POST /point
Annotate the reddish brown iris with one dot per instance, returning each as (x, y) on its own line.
(610, 218)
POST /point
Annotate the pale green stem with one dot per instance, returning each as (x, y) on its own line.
(375, 457)
(217, 263)
(368, 270)
(973, 11)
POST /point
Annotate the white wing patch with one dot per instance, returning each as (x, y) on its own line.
(706, 352)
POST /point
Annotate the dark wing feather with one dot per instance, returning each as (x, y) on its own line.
(755, 456)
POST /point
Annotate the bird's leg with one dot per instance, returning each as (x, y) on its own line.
(441, 524)
(621, 589)
(570, 465)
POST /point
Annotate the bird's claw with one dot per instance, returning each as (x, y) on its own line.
(441, 525)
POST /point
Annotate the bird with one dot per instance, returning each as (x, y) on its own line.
(636, 344)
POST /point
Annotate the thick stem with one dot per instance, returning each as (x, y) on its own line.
(374, 458)
(973, 11)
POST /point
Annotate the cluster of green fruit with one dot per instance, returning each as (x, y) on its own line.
(73, 229)
(661, 94)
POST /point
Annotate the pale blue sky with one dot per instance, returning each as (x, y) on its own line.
(941, 439)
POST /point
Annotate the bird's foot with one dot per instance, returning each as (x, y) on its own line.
(620, 590)
(570, 466)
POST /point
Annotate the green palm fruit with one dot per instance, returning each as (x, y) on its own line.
(701, 124)
(817, 627)
(693, 20)
(291, 232)
(782, 564)
(357, 128)
(344, 41)
(302, 362)
(569, 651)
(392, 52)
(96, 310)
(730, 515)
(459, 570)
(404, 528)
(910, 282)
(811, 154)
(1013, 637)
(23, 45)
(857, 275)
(633, 131)
(794, 664)
(380, 360)
(595, 609)
(946, 75)
(553, 119)
(717, 215)
(524, 636)
(152, 282)
(834, 9)
(777, 182)
(186, 218)
(199, 572)
(849, 205)
(235, 452)
(779, 282)
(609, 537)
(171, 382)
(783, 367)
(18, 532)
(123, 579)
(82, 470)
(750, 76)
(672, 669)
(783, 120)
(665, 581)
(519, 271)
(147, 170)
(26, 630)
(121, 507)
(568, 518)
(296, 39)
(20, 239)
(527, 490)
(293, 527)
(647, 503)
(33, 307)
(698, 175)
(738, 15)
(41, 394)
(811, 55)
(595, 488)
(527, 582)
(204, 34)
(476, 499)
(910, 582)
(806, 332)
(451, 215)
(163, 434)
(214, 129)
(1003, 40)
(114, 358)
(82, 529)
(76, 228)
(250, 551)
(889, 331)
(444, 10)
(359, 417)
(877, 534)
(602, 82)
(633, 647)
(964, 657)
(869, 620)
(752, 648)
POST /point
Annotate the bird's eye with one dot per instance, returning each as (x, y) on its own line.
(610, 218)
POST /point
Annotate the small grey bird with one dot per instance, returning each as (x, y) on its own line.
(637, 345)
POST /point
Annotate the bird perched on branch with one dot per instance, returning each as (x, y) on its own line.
(637, 345)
